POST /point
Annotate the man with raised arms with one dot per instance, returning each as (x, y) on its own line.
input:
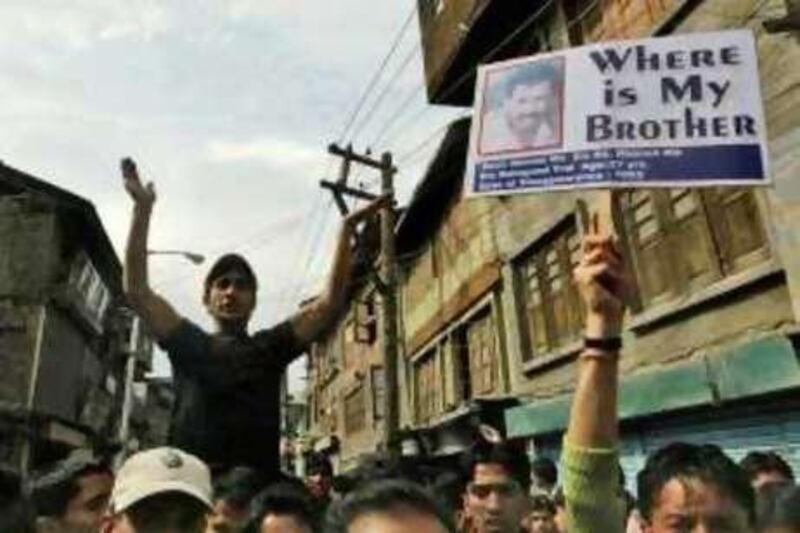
(227, 383)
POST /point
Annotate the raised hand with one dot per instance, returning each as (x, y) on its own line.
(604, 283)
(367, 211)
(142, 195)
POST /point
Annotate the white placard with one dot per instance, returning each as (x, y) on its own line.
(675, 111)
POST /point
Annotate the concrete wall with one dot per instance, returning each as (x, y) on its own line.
(20, 328)
(28, 249)
(457, 266)
(69, 372)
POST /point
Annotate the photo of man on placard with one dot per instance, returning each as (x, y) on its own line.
(522, 107)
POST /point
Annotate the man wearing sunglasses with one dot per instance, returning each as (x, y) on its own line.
(496, 499)
(227, 383)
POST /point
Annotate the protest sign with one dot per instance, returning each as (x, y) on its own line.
(671, 111)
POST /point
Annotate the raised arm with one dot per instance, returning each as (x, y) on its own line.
(603, 283)
(157, 314)
(313, 319)
(590, 457)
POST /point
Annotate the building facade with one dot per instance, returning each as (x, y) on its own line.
(710, 341)
(490, 319)
(65, 337)
(346, 385)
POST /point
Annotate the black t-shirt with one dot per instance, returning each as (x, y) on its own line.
(227, 394)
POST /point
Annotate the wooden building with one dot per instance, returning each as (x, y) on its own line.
(64, 333)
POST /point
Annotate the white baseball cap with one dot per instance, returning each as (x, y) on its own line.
(160, 470)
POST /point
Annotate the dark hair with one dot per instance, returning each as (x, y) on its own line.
(531, 75)
(52, 490)
(238, 486)
(448, 489)
(287, 497)
(168, 512)
(512, 458)
(558, 498)
(544, 468)
(778, 506)
(319, 464)
(16, 512)
(755, 463)
(229, 263)
(542, 503)
(707, 463)
(384, 496)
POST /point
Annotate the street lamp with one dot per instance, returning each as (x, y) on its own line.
(193, 257)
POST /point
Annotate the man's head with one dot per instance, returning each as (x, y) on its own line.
(74, 493)
(496, 496)
(158, 491)
(319, 476)
(541, 516)
(778, 508)
(283, 507)
(544, 474)
(387, 506)
(531, 101)
(230, 291)
(685, 487)
(233, 492)
(766, 467)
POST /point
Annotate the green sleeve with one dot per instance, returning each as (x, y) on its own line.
(591, 490)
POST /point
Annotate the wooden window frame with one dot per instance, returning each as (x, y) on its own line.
(480, 336)
(549, 264)
(355, 410)
(378, 388)
(712, 237)
(426, 398)
(366, 321)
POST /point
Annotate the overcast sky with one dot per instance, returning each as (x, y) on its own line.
(228, 106)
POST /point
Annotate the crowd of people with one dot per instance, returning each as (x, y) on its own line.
(494, 489)
(220, 472)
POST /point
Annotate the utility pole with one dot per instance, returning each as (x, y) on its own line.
(386, 280)
(389, 278)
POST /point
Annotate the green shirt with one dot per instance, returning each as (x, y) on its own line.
(591, 490)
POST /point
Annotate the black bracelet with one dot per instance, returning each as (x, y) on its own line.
(609, 344)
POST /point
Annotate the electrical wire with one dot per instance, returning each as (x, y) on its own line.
(412, 53)
(376, 76)
(397, 114)
(469, 73)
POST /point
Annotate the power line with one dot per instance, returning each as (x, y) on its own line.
(403, 65)
(397, 114)
(409, 99)
(582, 14)
(522, 27)
(428, 139)
(377, 75)
(309, 240)
(348, 124)
(313, 253)
(464, 77)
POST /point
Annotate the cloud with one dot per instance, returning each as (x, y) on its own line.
(242, 9)
(226, 104)
(276, 151)
(81, 23)
(142, 24)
